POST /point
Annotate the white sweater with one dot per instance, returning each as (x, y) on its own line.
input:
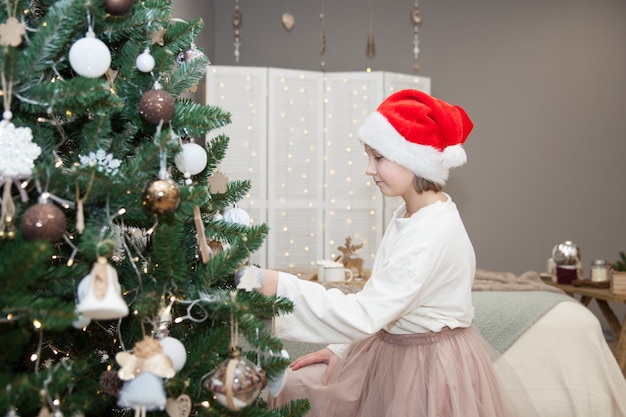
(421, 281)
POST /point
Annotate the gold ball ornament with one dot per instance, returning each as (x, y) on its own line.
(44, 221)
(157, 105)
(161, 196)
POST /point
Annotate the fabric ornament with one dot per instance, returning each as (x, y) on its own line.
(100, 294)
(144, 393)
(249, 278)
(419, 132)
(147, 357)
(17, 161)
(218, 182)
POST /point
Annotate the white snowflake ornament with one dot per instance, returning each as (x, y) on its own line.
(17, 151)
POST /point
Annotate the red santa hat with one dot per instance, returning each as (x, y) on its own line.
(422, 133)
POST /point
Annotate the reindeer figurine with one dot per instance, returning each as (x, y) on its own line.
(350, 262)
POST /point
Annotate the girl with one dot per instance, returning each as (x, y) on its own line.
(404, 346)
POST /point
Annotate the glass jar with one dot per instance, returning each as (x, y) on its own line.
(599, 271)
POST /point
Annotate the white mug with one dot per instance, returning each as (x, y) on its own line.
(337, 274)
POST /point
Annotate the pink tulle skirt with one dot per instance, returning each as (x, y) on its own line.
(446, 374)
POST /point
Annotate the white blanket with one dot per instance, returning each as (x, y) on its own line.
(566, 366)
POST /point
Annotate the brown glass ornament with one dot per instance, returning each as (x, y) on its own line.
(118, 7)
(157, 105)
(44, 222)
(161, 196)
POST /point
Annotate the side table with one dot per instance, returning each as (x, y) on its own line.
(602, 297)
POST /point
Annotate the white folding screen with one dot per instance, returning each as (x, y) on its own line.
(293, 135)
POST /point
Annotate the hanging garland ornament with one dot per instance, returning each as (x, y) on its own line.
(236, 27)
(416, 20)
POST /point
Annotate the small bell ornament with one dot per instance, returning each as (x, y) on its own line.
(100, 294)
(236, 382)
(237, 215)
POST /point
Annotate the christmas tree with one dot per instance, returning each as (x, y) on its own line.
(124, 260)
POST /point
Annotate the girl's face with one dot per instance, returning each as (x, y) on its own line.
(393, 180)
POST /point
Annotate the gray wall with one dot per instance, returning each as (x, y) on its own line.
(543, 81)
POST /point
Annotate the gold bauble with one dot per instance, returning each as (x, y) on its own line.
(161, 196)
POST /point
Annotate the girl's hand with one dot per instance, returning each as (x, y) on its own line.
(324, 355)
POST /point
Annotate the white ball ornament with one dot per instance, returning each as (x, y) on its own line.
(175, 350)
(89, 56)
(145, 61)
(192, 159)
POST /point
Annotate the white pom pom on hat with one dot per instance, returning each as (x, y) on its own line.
(420, 132)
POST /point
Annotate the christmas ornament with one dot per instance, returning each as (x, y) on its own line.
(237, 215)
(191, 159)
(161, 196)
(89, 56)
(157, 105)
(144, 393)
(156, 37)
(147, 357)
(249, 278)
(178, 407)
(110, 383)
(18, 151)
(276, 384)
(145, 61)
(288, 21)
(118, 7)
(99, 293)
(218, 182)
(175, 350)
(205, 250)
(81, 322)
(236, 382)
(370, 50)
(44, 221)
(416, 21)
(11, 32)
(236, 27)
(189, 55)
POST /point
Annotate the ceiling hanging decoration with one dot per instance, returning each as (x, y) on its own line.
(288, 20)
(236, 26)
(416, 20)
(370, 50)
(322, 38)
